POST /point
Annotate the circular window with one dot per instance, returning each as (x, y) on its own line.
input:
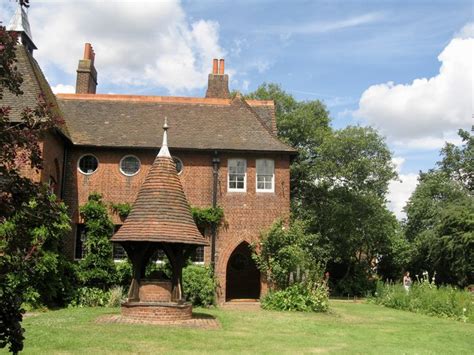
(88, 164)
(129, 165)
(179, 165)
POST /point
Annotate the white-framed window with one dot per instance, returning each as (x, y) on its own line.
(130, 165)
(88, 164)
(179, 165)
(265, 175)
(198, 256)
(237, 175)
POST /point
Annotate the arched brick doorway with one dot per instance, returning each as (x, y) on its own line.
(242, 275)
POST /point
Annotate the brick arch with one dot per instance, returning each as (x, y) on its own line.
(228, 250)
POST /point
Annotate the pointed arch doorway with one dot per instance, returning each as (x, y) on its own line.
(242, 275)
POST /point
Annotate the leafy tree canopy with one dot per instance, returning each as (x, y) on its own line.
(440, 215)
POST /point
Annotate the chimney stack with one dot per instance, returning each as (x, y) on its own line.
(86, 82)
(218, 82)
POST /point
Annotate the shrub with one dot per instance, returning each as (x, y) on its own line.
(116, 296)
(425, 297)
(199, 285)
(90, 297)
(302, 297)
(123, 273)
(96, 268)
(284, 253)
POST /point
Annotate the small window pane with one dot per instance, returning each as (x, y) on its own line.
(88, 164)
(198, 255)
(265, 174)
(129, 165)
(236, 174)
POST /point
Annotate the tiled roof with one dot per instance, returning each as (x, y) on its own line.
(197, 123)
(34, 84)
(161, 212)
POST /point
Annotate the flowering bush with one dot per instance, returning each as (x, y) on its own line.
(425, 297)
(302, 297)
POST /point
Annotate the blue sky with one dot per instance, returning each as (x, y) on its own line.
(360, 57)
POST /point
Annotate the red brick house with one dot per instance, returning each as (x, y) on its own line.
(225, 149)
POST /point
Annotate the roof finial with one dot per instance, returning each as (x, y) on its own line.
(20, 23)
(164, 151)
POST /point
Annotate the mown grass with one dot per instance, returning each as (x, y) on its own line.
(347, 328)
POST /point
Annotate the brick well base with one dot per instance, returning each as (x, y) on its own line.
(159, 311)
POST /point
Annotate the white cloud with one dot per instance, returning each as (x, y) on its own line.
(63, 89)
(400, 190)
(466, 32)
(140, 43)
(424, 113)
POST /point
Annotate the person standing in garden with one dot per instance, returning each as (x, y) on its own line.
(407, 281)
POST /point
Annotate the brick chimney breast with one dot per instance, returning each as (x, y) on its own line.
(218, 82)
(86, 82)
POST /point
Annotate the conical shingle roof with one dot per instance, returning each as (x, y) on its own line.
(161, 212)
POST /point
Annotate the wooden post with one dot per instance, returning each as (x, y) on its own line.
(139, 254)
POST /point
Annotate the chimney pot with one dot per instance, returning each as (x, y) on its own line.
(87, 51)
(215, 66)
(221, 67)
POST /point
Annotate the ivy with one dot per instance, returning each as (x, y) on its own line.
(208, 216)
(122, 209)
(96, 268)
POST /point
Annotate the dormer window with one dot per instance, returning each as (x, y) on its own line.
(237, 175)
(265, 175)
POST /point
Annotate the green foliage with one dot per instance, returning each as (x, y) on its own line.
(425, 297)
(90, 297)
(122, 209)
(96, 268)
(207, 217)
(199, 285)
(287, 255)
(31, 225)
(116, 296)
(123, 272)
(440, 217)
(339, 184)
(11, 316)
(302, 297)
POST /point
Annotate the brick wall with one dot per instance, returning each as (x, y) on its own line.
(161, 312)
(247, 214)
(154, 291)
(52, 151)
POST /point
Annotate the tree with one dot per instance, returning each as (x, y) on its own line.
(32, 221)
(440, 212)
(339, 183)
(301, 124)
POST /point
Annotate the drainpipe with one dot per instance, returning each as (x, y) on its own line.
(215, 178)
(63, 173)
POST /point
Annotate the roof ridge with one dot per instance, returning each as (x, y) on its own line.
(145, 98)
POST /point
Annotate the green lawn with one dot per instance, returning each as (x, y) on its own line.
(348, 328)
